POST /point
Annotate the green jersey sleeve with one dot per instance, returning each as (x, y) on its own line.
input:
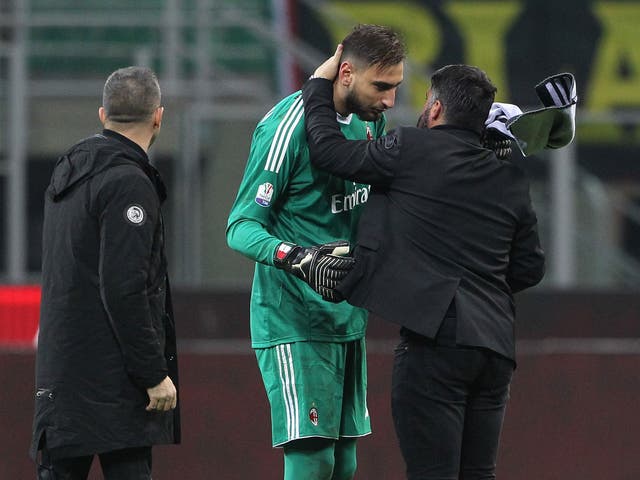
(275, 148)
(252, 240)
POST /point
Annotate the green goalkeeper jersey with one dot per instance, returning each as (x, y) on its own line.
(283, 198)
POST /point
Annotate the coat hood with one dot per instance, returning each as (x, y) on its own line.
(94, 155)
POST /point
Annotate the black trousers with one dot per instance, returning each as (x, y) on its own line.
(126, 464)
(448, 406)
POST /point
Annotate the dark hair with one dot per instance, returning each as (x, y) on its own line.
(369, 45)
(466, 94)
(131, 95)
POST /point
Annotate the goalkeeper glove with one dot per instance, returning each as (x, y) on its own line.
(322, 267)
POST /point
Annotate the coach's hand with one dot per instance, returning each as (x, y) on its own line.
(322, 267)
(499, 143)
(163, 396)
(329, 69)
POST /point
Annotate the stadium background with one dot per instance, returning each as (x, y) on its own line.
(222, 64)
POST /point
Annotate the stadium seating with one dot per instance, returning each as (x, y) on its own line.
(86, 38)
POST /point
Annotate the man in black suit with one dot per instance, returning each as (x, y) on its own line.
(447, 237)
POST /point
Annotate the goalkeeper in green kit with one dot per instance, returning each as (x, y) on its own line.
(311, 353)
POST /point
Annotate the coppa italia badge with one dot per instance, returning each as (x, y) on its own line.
(313, 416)
(263, 196)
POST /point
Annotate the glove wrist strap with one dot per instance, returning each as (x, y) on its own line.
(281, 253)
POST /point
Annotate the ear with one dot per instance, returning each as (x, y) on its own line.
(345, 73)
(437, 112)
(157, 117)
(102, 115)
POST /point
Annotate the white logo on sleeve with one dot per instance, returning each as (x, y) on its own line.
(135, 214)
(264, 194)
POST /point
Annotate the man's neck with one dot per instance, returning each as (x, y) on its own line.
(340, 101)
(136, 134)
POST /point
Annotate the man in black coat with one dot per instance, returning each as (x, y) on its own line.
(106, 367)
(447, 237)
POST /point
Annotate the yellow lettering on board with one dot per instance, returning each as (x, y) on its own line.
(618, 50)
(483, 26)
(417, 27)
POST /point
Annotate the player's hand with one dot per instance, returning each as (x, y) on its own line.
(322, 267)
(329, 69)
(162, 397)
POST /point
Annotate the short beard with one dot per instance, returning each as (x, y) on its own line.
(354, 105)
(422, 120)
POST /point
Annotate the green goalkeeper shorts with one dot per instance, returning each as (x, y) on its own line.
(316, 390)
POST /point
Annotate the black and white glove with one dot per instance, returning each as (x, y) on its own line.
(322, 267)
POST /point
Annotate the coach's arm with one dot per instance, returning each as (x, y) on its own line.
(363, 161)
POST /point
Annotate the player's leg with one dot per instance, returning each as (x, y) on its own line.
(484, 417)
(309, 458)
(127, 464)
(304, 383)
(345, 459)
(320, 459)
(355, 421)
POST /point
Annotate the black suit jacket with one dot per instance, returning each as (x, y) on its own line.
(445, 221)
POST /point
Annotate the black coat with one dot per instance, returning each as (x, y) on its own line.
(106, 325)
(445, 220)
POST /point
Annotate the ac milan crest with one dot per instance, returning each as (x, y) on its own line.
(313, 416)
(369, 134)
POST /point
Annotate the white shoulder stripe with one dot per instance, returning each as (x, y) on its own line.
(282, 136)
(268, 114)
(283, 152)
(281, 139)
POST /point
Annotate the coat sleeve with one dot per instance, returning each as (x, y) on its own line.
(129, 214)
(363, 161)
(526, 259)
